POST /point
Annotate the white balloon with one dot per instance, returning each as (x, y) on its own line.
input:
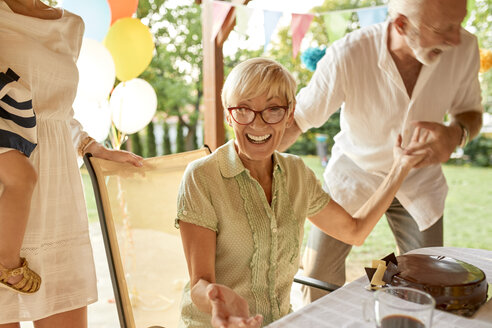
(95, 117)
(96, 70)
(133, 104)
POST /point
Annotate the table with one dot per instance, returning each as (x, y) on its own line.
(343, 307)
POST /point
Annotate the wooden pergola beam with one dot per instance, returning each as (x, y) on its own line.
(213, 72)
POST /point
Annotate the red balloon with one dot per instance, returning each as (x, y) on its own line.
(122, 9)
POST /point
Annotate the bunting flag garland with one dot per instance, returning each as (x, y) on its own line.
(243, 15)
(271, 19)
(370, 16)
(299, 26)
(220, 11)
(336, 22)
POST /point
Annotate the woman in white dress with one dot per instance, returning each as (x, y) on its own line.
(41, 45)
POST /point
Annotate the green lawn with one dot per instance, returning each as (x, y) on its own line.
(467, 217)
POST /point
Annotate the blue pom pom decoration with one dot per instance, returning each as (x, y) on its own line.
(311, 57)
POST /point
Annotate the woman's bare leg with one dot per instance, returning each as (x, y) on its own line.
(71, 319)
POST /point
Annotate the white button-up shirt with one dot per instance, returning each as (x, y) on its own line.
(359, 74)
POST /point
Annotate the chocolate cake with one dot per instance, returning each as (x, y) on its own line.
(457, 286)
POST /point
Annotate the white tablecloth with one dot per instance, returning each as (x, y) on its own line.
(343, 307)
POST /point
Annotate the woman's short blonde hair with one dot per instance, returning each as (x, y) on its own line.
(256, 77)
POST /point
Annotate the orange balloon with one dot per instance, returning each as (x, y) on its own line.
(122, 9)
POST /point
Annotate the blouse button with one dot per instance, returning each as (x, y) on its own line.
(274, 230)
(185, 212)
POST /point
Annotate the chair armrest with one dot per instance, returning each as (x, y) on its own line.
(312, 282)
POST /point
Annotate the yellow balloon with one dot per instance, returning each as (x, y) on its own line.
(131, 45)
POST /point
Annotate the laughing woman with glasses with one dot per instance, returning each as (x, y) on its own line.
(241, 210)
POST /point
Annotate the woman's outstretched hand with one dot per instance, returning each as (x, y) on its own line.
(230, 310)
(410, 160)
(122, 156)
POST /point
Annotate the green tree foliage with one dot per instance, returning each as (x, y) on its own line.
(194, 141)
(176, 68)
(151, 148)
(136, 144)
(479, 151)
(180, 142)
(166, 141)
(479, 22)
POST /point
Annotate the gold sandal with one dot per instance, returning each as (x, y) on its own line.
(29, 283)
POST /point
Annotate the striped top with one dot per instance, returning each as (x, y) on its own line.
(17, 117)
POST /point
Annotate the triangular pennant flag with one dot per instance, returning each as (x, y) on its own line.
(270, 19)
(243, 15)
(336, 24)
(299, 27)
(370, 16)
(220, 11)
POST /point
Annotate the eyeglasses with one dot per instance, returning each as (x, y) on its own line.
(271, 115)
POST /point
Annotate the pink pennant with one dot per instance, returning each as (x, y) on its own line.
(299, 27)
(220, 11)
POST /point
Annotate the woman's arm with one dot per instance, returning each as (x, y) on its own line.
(228, 309)
(336, 222)
(83, 143)
(122, 156)
(199, 248)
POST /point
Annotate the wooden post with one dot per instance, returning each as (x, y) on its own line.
(213, 73)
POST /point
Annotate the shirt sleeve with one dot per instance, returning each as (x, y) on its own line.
(325, 92)
(194, 199)
(78, 133)
(468, 95)
(318, 198)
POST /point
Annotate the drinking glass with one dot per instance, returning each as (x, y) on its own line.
(400, 307)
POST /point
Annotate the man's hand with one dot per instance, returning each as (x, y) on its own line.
(439, 144)
(230, 310)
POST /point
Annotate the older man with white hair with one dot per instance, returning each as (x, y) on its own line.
(412, 70)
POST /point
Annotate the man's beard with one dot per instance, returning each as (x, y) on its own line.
(423, 55)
